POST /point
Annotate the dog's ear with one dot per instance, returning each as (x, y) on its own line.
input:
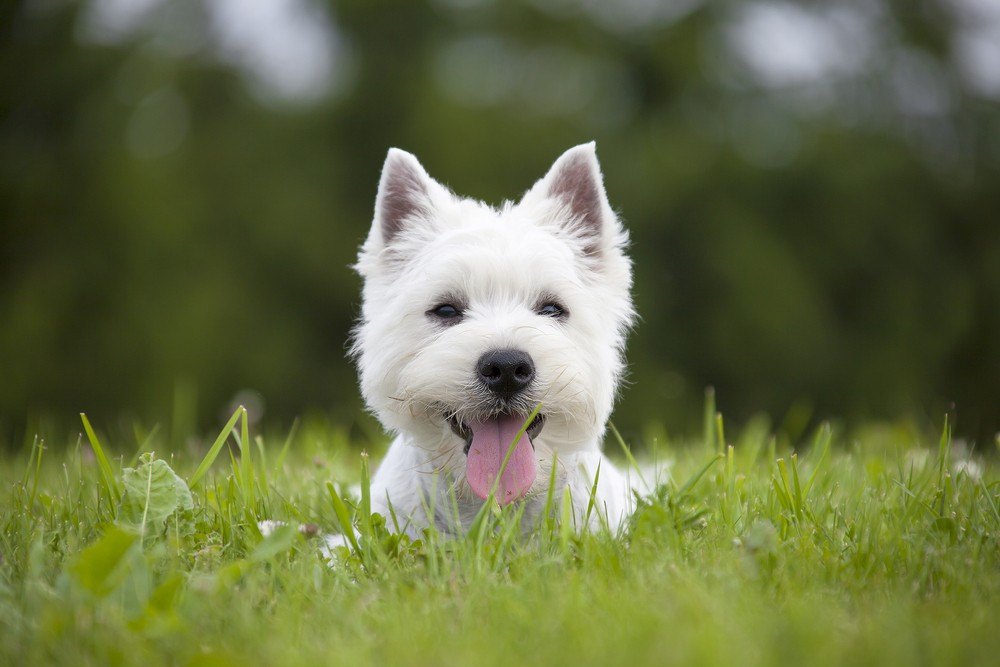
(575, 181)
(404, 194)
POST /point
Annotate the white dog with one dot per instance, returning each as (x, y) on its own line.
(472, 316)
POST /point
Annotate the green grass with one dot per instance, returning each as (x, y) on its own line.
(879, 548)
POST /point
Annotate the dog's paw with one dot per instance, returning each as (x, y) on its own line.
(268, 526)
(330, 543)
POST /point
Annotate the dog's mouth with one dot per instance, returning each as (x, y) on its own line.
(487, 443)
(462, 429)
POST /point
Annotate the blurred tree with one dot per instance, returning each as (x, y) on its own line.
(811, 190)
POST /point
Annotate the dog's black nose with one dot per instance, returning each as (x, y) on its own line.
(505, 372)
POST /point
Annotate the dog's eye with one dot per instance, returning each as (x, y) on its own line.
(551, 309)
(445, 311)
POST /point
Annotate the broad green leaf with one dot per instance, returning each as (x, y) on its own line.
(100, 567)
(164, 596)
(153, 493)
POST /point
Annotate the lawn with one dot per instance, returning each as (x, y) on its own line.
(881, 546)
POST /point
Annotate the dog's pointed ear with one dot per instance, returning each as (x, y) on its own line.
(575, 181)
(404, 194)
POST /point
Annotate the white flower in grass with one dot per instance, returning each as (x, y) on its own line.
(268, 526)
(969, 468)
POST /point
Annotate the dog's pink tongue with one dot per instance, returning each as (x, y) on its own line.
(490, 441)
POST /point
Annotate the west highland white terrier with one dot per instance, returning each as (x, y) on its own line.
(472, 316)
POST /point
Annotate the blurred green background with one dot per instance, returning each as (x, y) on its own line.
(813, 191)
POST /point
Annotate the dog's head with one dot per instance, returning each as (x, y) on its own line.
(472, 316)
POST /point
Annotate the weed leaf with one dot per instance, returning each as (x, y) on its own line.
(153, 493)
(99, 568)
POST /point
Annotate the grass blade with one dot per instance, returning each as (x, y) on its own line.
(822, 444)
(246, 461)
(566, 519)
(633, 464)
(365, 509)
(214, 450)
(708, 419)
(688, 485)
(550, 494)
(343, 516)
(280, 462)
(110, 483)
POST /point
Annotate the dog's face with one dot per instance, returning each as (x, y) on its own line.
(472, 316)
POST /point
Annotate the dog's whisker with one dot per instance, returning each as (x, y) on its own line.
(446, 465)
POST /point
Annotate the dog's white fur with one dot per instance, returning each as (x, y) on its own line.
(562, 242)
